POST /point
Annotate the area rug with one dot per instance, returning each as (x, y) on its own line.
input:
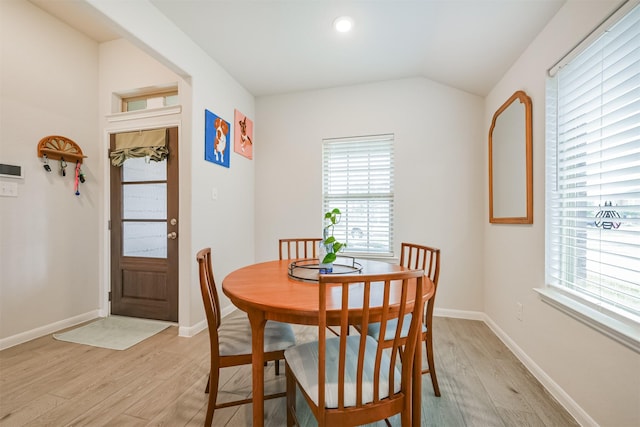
(114, 332)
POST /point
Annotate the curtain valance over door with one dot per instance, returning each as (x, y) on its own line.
(147, 143)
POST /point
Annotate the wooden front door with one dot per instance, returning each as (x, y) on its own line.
(144, 236)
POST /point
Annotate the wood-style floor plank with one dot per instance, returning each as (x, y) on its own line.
(161, 381)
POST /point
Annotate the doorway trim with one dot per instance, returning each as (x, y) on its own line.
(129, 122)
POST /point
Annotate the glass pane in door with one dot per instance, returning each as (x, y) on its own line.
(144, 201)
(138, 169)
(144, 239)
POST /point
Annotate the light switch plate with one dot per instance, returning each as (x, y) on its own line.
(9, 189)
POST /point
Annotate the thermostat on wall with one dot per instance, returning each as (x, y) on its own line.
(10, 171)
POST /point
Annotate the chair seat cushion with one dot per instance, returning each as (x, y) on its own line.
(303, 362)
(234, 335)
(374, 328)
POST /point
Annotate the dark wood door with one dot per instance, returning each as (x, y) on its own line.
(144, 236)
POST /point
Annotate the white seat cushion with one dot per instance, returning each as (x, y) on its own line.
(303, 362)
(234, 335)
(374, 329)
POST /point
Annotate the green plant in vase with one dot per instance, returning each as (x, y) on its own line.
(329, 247)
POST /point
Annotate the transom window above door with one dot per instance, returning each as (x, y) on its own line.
(148, 101)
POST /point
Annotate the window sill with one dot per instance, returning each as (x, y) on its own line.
(619, 331)
(372, 257)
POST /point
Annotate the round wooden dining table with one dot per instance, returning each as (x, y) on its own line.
(265, 291)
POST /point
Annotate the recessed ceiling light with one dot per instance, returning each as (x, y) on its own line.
(343, 24)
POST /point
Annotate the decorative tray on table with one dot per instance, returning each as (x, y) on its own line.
(307, 270)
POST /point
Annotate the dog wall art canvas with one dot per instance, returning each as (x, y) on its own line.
(217, 139)
(242, 135)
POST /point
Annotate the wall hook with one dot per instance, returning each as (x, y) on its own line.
(63, 167)
(77, 177)
(46, 163)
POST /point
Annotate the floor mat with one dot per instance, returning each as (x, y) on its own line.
(114, 332)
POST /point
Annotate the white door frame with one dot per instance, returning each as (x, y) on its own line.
(128, 122)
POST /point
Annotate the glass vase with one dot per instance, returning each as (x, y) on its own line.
(323, 250)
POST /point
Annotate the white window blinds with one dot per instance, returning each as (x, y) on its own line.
(358, 180)
(593, 174)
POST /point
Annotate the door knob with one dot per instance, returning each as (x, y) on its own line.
(173, 235)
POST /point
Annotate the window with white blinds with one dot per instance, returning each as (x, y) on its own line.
(358, 180)
(593, 175)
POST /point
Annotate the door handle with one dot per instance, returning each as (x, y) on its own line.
(173, 235)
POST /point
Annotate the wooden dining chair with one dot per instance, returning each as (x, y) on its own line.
(230, 341)
(298, 248)
(350, 380)
(428, 259)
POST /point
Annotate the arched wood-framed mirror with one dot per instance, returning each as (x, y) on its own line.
(511, 162)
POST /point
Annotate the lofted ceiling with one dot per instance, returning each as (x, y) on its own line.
(280, 46)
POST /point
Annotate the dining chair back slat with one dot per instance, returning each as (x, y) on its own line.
(298, 248)
(421, 257)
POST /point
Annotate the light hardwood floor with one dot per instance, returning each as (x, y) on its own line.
(161, 381)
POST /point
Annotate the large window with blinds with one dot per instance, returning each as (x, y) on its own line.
(593, 179)
(358, 180)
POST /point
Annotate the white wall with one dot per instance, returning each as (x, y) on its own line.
(48, 235)
(597, 378)
(438, 173)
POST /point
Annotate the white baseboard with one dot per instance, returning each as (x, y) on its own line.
(459, 314)
(47, 329)
(190, 331)
(552, 387)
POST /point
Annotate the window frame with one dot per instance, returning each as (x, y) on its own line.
(372, 199)
(592, 312)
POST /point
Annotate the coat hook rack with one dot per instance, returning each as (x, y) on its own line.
(55, 147)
